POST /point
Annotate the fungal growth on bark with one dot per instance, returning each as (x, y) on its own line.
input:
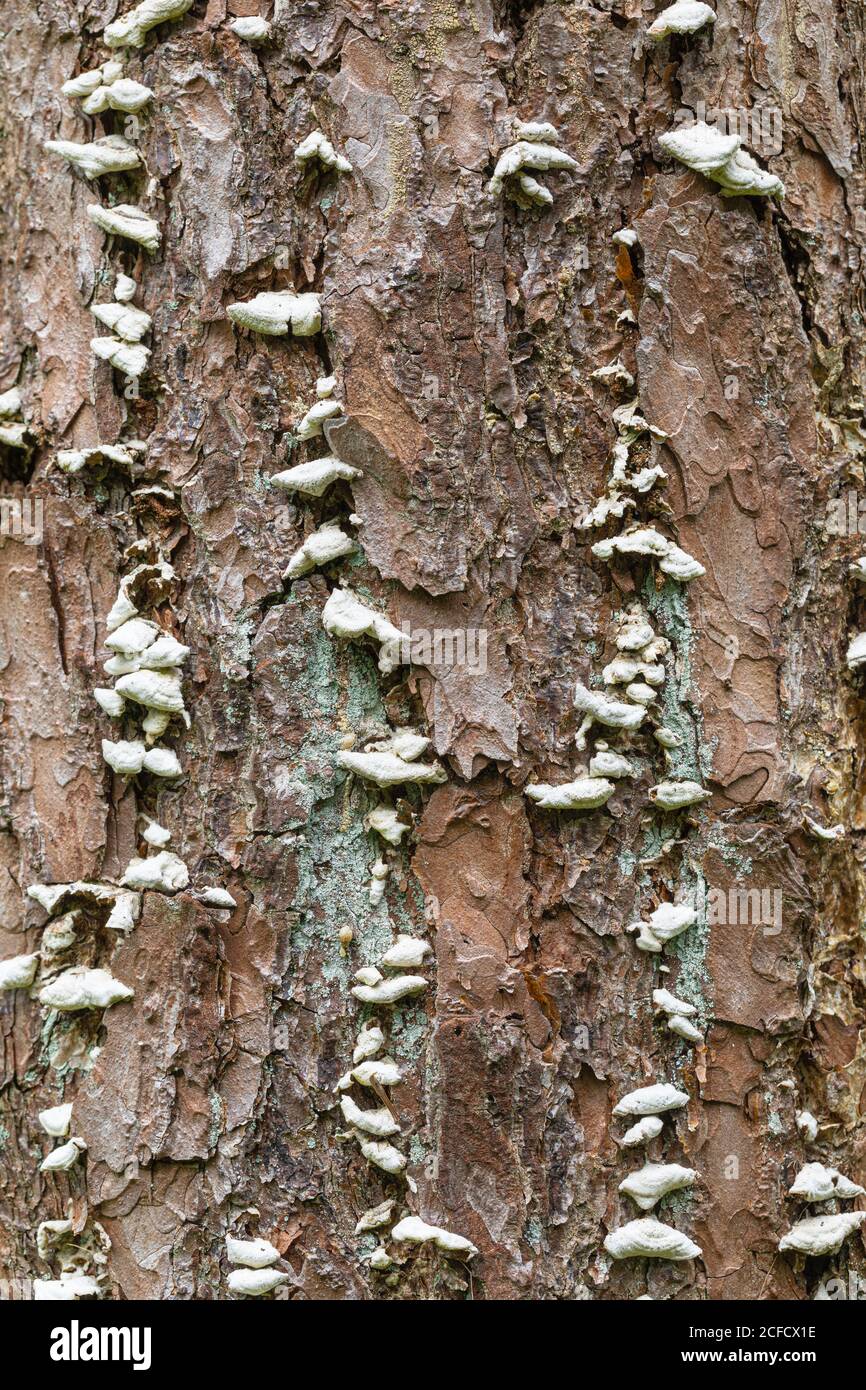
(106, 89)
(315, 477)
(277, 312)
(431, 636)
(584, 794)
(131, 30)
(317, 146)
(721, 158)
(650, 1239)
(683, 17)
(13, 433)
(536, 147)
(251, 28)
(109, 155)
(124, 220)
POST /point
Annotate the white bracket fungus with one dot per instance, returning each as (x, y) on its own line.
(64, 1157)
(318, 146)
(855, 657)
(110, 155)
(374, 1217)
(125, 913)
(417, 1232)
(165, 652)
(380, 1259)
(80, 988)
(127, 221)
(824, 832)
(390, 770)
(344, 615)
(386, 822)
(59, 935)
(311, 426)
(18, 972)
(253, 1283)
(674, 796)
(667, 1003)
(163, 873)
(646, 1129)
(407, 954)
(124, 757)
(536, 148)
(645, 540)
(822, 1235)
(161, 762)
(404, 742)
(253, 1254)
(155, 834)
(85, 83)
(380, 1153)
(368, 975)
(379, 874)
(390, 991)
(665, 922)
(649, 1184)
(369, 1043)
(127, 322)
(683, 17)
(720, 158)
(815, 1183)
(50, 895)
(380, 1123)
(313, 478)
(650, 1239)
(110, 91)
(596, 707)
(129, 358)
(625, 670)
(379, 1071)
(329, 542)
(132, 30)
(641, 693)
(685, 1029)
(73, 460)
(160, 690)
(667, 738)
(584, 794)
(626, 236)
(13, 433)
(217, 898)
(109, 701)
(615, 372)
(635, 633)
(140, 642)
(274, 312)
(56, 1120)
(651, 1100)
(668, 921)
(251, 28)
(631, 424)
(807, 1125)
(69, 1288)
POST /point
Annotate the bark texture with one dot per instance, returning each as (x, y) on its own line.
(463, 331)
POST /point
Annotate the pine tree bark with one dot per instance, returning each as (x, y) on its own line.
(463, 331)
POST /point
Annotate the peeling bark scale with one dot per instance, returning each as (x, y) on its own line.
(431, 650)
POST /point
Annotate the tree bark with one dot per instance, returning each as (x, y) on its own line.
(463, 331)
